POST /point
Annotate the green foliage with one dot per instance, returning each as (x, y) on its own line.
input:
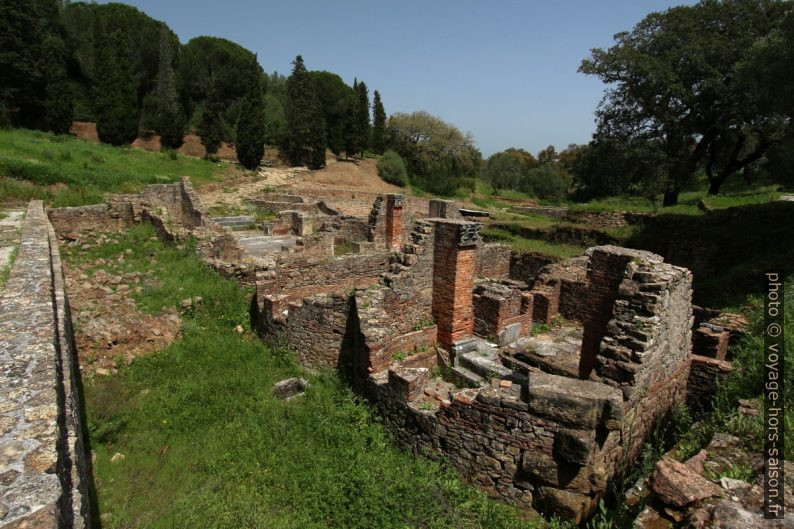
(677, 83)
(213, 67)
(88, 28)
(58, 101)
(116, 103)
(65, 171)
(378, 124)
(392, 168)
(352, 126)
(210, 128)
(546, 182)
(506, 169)
(334, 97)
(167, 120)
(5, 268)
(251, 125)
(305, 140)
(437, 154)
(206, 439)
(362, 116)
(521, 244)
(539, 328)
(275, 120)
(746, 381)
(33, 83)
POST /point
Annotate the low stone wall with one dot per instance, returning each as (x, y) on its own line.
(526, 266)
(315, 329)
(532, 442)
(606, 219)
(704, 375)
(298, 276)
(46, 475)
(544, 211)
(114, 216)
(493, 261)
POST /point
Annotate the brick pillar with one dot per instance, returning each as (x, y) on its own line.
(605, 271)
(394, 221)
(453, 280)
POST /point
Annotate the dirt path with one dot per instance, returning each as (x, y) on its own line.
(359, 176)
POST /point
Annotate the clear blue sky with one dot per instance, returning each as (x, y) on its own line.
(505, 70)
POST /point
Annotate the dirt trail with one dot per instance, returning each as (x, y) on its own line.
(359, 176)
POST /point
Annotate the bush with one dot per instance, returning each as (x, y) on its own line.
(546, 182)
(392, 168)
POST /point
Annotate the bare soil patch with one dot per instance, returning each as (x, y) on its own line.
(110, 330)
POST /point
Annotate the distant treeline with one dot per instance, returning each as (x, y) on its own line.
(694, 93)
(116, 66)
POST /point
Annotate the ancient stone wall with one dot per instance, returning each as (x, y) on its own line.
(527, 265)
(46, 476)
(493, 260)
(315, 329)
(299, 276)
(704, 375)
(499, 305)
(532, 442)
(113, 216)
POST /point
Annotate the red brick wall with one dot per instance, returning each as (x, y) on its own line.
(453, 282)
(394, 221)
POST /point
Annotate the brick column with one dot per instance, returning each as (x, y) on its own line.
(394, 221)
(453, 279)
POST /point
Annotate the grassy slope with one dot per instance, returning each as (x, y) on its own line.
(65, 171)
(206, 444)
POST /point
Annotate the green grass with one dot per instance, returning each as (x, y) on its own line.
(521, 244)
(343, 248)
(5, 269)
(687, 201)
(746, 382)
(65, 171)
(226, 210)
(206, 444)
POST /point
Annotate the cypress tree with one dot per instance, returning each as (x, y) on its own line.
(305, 122)
(168, 119)
(32, 65)
(352, 131)
(251, 125)
(59, 100)
(378, 124)
(116, 103)
(210, 128)
(362, 117)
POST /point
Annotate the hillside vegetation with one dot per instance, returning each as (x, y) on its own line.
(64, 171)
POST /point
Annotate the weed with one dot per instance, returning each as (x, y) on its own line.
(539, 328)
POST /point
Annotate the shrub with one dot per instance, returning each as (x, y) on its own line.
(392, 168)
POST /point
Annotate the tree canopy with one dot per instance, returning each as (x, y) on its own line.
(305, 140)
(437, 154)
(675, 81)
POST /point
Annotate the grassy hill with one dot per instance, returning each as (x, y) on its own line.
(65, 171)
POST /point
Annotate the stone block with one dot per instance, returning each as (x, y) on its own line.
(510, 334)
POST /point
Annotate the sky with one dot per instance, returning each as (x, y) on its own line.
(506, 71)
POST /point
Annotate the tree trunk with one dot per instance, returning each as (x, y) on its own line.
(670, 197)
(714, 186)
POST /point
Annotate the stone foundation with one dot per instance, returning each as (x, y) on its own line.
(46, 473)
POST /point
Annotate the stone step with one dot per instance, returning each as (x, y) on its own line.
(466, 378)
(484, 366)
(236, 221)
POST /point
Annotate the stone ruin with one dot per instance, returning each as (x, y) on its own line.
(538, 379)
